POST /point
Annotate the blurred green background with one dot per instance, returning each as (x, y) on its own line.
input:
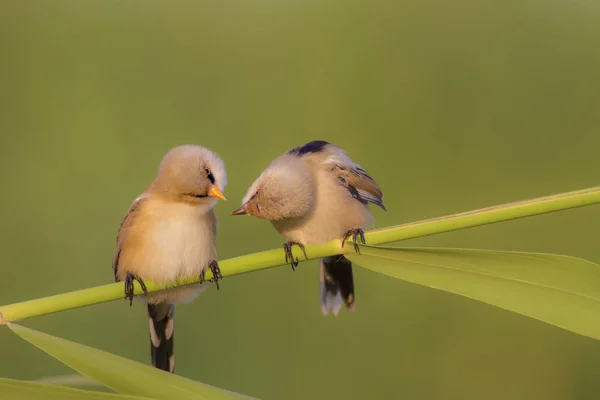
(451, 106)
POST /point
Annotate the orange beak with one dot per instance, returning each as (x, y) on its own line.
(215, 192)
(240, 211)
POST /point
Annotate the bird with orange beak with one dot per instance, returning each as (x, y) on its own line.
(169, 233)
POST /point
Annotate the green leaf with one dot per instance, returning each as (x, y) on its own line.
(72, 380)
(274, 258)
(120, 374)
(559, 290)
(12, 389)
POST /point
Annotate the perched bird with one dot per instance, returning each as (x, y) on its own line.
(312, 194)
(169, 233)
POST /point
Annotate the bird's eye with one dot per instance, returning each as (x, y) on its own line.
(210, 176)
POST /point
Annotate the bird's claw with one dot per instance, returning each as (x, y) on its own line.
(355, 233)
(216, 271)
(289, 257)
(129, 286)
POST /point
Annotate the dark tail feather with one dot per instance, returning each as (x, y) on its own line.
(161, 335)
(337, 284)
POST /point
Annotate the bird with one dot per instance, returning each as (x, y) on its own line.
(169, 233)
(312, 194)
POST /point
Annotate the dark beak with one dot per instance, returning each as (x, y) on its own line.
(240, 211)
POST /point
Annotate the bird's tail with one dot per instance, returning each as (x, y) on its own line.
(161, 335)
(337, 284)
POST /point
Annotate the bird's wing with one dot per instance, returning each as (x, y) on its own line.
(356, 180)
(123, 229)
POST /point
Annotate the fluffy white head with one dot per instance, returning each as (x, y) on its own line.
(284, 190)
(190, 173)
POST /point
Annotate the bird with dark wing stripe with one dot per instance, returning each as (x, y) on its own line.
(312, 194)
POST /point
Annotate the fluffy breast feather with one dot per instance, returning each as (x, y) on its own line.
(167, 241)
(334, 213)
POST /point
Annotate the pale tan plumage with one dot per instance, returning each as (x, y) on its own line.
(312, 194)
(169, 233)
(164, 241)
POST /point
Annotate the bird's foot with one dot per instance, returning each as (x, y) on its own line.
(289, 257)
(355, 233)
(129, 286)
(216, 271)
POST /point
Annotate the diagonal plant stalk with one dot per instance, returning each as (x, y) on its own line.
(274, 258)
